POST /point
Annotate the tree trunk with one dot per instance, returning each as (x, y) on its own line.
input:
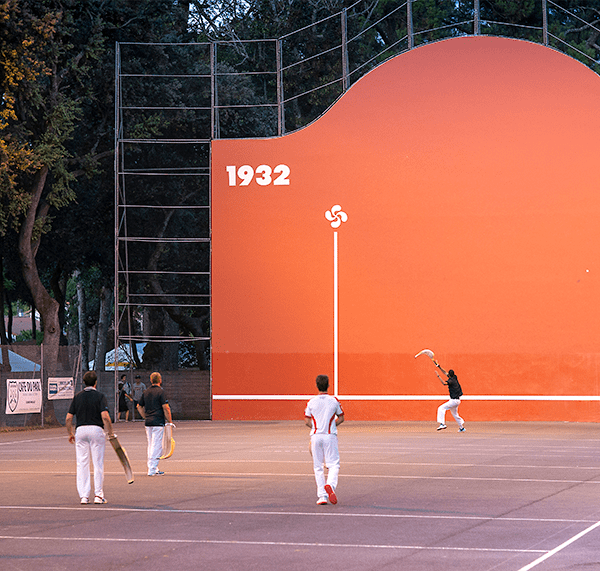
(82, 319)
(9, 326)
(92, 336)
(59, 288)
(45, 304)
(33, 324)
(3, 336)
(103, 325)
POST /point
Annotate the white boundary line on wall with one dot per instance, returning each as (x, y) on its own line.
(565, 398)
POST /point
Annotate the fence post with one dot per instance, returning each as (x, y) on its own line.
(545, 21)
(476, 18)
(345, 65)
(280, 104)
(409, 25)
(214, 115)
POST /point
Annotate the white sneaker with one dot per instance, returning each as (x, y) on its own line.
(441, 427)
(85, 501)
(322, 502)
(99, 500)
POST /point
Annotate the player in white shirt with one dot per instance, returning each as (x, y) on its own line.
(323, 414)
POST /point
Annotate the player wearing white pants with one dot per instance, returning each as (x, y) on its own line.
(323, 414)
(455, 391)
(452, 406)
(154, 435)
(90, 441)
(155, 410)
(90, 408)
(325, 452)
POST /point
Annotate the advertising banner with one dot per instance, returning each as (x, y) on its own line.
(61, 388)
(23, 396)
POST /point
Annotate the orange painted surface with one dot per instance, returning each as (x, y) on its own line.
(467, 169)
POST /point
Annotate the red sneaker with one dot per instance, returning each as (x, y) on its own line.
(331, 494)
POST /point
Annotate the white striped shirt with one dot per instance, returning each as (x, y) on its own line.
(322, 410)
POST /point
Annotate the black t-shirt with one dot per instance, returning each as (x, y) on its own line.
(152, 401)
(87, 406)
(454, 388)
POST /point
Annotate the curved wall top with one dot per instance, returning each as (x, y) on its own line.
(467, 169)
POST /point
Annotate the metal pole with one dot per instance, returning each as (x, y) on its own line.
(545, 21)
(42, 375)
(214, 128)
(345, 66)
(280, 104)
(409, 25)
(476, 18)
(116, 200)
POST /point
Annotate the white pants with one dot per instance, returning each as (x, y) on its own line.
(452, 406)
(154, 434)
(324, 449)
(90, 441)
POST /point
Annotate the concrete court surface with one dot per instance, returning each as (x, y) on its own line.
(241, 495)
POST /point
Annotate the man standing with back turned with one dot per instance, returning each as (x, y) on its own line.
(90, 407)
(323, 415)
(155, 410)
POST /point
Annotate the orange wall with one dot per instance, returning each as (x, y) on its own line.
(467, 169)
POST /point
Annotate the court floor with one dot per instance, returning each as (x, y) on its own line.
(241, 495)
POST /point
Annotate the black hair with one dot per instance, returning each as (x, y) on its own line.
(90, 378)
(322, 383)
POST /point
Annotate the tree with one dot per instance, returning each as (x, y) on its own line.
(51, 50)
(55, 126)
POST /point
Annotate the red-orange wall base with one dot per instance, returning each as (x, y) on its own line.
(470, 410)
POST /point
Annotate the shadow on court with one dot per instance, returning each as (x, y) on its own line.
(241, 495)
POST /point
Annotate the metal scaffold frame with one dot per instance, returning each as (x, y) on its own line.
(219, 78)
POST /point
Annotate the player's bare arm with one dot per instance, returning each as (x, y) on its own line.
(339, 420)
(142, 411)
(107, 423)
(167, 411)
(69, 427)
(308, 421)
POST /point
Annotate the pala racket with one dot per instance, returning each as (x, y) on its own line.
(123, 458)
(168, 443)
(430, 354)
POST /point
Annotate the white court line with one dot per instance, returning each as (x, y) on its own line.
(397, 465)
(30, 440)
(281, 397)
(316, 514)
(112, 540)
(307, 475)
(559, 548)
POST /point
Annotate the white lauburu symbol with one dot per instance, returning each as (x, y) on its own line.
(336, 216)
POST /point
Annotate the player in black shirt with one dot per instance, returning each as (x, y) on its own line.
(154, 408)
(452, 405)
(90, 408)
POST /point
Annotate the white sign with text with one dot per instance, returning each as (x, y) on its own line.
(23, 396)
